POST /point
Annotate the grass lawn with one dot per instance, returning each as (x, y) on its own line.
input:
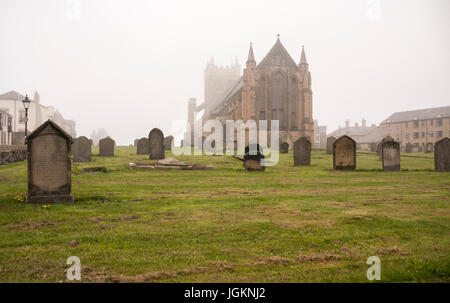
(287, 224)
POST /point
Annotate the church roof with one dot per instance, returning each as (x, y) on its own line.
(12, 95)
(421, 114)
(277, 50)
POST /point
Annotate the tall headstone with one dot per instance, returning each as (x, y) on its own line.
(143, 146)
(429, 148)
(390, 151)
(302, 152)
(373, 147)
(106, 147)
(168, 142)
(82, 149)
(284, 148)
(379, 151)
(408, 148)
(49, 165)
(330, 142)
(442, 155)
(252, 158)
(344, 153)
(156, 139)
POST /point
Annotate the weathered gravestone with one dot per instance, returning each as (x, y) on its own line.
(408, 148)
(429, 148)
(442, 155)
(156, 139)
(390, 151)
(143, 146)
(252, 158)
(106, 147)
(82, 149)
(330, 142)
(344, 153)
(168, 142)
(302, 152)
(284, 148)
(135, 142)
(49, 165)
(379, 153)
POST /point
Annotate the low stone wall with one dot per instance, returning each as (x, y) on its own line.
(12, 155)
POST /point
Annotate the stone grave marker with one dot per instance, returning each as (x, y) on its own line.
(49, 165)
(168, 142)
(284, 148)
(106, 147)
(330, 142)
(143, 146)
(344, 153)
(252, 158)
(156, 139)
(82, 149)
(442, 155)
(302, 152)
(390, 151)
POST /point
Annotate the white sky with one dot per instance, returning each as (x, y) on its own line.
(129, 66)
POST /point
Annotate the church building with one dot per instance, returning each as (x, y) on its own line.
(277, 88)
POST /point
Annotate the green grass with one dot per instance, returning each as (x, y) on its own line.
(287, 224)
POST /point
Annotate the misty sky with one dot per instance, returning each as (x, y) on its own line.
(129, 66)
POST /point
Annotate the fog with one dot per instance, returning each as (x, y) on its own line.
(129, 66)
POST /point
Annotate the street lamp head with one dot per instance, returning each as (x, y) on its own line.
(26, 102)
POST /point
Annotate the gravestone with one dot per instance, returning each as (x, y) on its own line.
(330, 142)
(82, 149)
(135, 142)
(168, 143)
(156, 139)
(252, 158)
(284, 148)
(302, 152)
(49, 165)
(429, 148)
(379, 153)
(390, 151)
(373, 147)
(106, 147)
(344, 153)
(143, 146)
(408, 148)
(442, 155)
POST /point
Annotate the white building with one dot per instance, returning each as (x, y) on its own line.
(11, 104)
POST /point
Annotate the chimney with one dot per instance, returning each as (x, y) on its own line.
(363, 122)
(347, 123)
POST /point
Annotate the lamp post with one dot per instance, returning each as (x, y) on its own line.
(26, 104)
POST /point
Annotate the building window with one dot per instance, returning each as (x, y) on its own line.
(406, 125)
(277, 100)
(1, 121)
(9, 124)
(262, 99)
(439, 122)
(431, 122)
(416, 124)
(439, 134)
(416, 135)
(21, 116)
(423, 123)
(431, 134)
(423, 134)
(406, 135)
(293, 104)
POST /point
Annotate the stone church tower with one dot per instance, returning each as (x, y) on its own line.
(277, 88)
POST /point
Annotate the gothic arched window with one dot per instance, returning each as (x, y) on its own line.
(293, 104)
(262, 99)
(278, 100)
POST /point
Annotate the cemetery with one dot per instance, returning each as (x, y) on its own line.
(152, 216)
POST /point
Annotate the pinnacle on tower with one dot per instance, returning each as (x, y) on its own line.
(303, 56)
(251, 56)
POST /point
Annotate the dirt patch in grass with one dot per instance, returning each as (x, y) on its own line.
(392, 251)
(274, 260)
(28, 225)
(318, 258)
(126, 218)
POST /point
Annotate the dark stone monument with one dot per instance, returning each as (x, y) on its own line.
(143, 146)
(373, 147)
(442, 155)
(49, 165)
(156, 139)
(168, 142)
(429, 148)
(302, 152)
(284, 148)
(252, 158)
(330, 142)
(390, 151)
(344, 153)
(106, 147)
(408, 148)
(82, 149)
(379, 152)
